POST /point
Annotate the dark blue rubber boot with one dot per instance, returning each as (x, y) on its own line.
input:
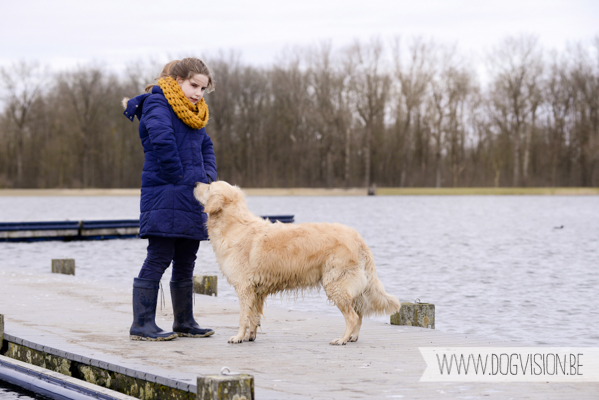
(145, 297)
(185, 324)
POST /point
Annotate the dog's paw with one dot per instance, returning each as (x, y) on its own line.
(353, 338)
(249, 337)
(235, 339)
(338, 342)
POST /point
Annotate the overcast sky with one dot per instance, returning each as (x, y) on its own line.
(67, 33)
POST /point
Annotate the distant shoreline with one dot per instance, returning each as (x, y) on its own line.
(382, 191)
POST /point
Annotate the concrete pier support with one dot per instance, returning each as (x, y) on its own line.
(63, 266)
(415, 314)
(205, 284)
(226, 387)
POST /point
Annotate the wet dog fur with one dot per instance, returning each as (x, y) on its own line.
(260, 258)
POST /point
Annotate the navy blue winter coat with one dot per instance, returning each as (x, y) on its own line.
(176, 157)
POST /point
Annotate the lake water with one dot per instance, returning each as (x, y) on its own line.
(494, 266)
(8, 391)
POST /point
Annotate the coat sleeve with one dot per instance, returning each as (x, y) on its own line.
(157, 117)
(209, 158)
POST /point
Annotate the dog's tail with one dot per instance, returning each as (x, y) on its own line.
(375, 300)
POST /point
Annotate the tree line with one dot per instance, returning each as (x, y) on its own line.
(403, 113)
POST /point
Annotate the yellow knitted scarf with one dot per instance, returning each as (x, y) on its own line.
(193, 115)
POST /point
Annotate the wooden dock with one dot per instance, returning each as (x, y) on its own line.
(88, 321)
(84, 230)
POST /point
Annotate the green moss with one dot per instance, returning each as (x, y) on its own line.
(219, 387)
(205, 284)
(1, 329)
(39, 358)
(128, 385)
(410, 314)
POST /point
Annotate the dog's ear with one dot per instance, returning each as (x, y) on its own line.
(214, 203)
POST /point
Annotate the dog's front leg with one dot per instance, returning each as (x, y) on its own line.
(243, 326)
(245, 311)
(256, 310)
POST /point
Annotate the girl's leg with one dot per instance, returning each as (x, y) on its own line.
(145, 291)
(182, 290)
(185, 254)
(161, 251)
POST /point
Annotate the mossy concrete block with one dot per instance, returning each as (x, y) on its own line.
(65, 266)
(226, 387)
(131, 386)
(39, 358)
(135, 387)
(205, 284)
(415, 314)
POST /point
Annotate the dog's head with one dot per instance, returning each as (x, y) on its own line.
(217, 195)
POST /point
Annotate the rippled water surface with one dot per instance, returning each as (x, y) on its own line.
(495, 266)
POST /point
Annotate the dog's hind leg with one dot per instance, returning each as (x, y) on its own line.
(246, 303)
(344, 303)
(342, 281)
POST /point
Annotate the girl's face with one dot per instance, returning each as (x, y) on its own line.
(194, 88)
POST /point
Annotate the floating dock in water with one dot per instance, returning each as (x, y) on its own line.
(84, 230)
(80, 328)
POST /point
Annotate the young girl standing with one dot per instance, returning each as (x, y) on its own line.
(178, 153)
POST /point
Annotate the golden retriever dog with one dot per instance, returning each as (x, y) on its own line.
(260, 258)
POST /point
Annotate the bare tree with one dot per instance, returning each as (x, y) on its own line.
(330, 107)
(370, 84)
(560, 98)
(585, 80)
(22, 83)
(516, 66)
(450, 89)
(86, 92)
(413, 78)
(295, 146)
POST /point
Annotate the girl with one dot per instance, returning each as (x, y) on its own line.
(178, 153)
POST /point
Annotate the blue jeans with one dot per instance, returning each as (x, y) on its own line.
(163, 250)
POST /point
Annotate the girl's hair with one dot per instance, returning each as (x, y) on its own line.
(185, 69)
